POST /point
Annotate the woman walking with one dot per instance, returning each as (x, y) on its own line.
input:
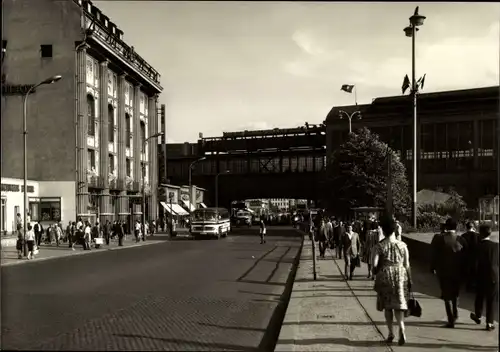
(391, 265)
(30, 241)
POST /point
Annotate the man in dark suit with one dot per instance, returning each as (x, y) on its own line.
(471, 239)
(487, 277)
(351, 246)
(447, 262)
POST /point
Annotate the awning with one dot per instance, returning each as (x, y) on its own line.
(188, 205)
(203, 205)
(176, 209)
(179, 210)
(167, 208)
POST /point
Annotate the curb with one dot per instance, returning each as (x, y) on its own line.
(271, 336)
(79, 253)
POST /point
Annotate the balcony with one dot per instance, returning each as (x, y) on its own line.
(117, 184)
(94, 181)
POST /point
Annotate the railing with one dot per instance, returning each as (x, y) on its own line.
(120, 48)
(117, 184)
(95, 181)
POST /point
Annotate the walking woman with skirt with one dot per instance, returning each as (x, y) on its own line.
(391, 265)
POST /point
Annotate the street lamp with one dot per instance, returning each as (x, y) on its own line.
(415, 21)
(190, 192)
(49, 80)
(156, 135)
(343, 113)
(217, 191)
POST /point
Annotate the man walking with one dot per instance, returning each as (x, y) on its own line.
(351, 245)
(487, 277)
(470, 239)
(338, 235)
(448, 262)
(106, 231)
(322, 238)
(38, 233)
(262, 231)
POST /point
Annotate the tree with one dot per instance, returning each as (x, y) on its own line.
(358, 175)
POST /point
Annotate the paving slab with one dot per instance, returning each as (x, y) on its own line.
(331, 314)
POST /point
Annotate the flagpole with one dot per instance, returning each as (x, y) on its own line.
(355, 96)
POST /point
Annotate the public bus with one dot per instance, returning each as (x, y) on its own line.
(210, 223)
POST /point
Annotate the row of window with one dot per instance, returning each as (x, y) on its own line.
(92, 163)
(262, 165)
(91, 131)
(434, 136)
(454, 154)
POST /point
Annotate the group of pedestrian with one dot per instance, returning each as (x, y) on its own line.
(469, 260)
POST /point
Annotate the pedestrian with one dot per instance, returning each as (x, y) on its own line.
(351, 245)
(87, 236)
(19, 245)
(19, 223)
(30, 241)
(329, 231)
(391, 267)
(471, 240)
(118, 230)
(399, 231)
(374, 237)
(338, 235)
(38, 228)
(57, 233)
(447, 262)
(486, 278)
(262, 231)
(322, 238)
(71, 235)
(106, 231)
(137, 231)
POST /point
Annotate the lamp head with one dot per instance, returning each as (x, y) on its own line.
(227, 171)
(159, 134)
(417, 20)
(203, 158)
(52, 79)
(409, 31)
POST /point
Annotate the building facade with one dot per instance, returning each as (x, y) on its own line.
(458, 137)
(88, 130)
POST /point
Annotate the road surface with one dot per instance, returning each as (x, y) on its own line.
(177, 295)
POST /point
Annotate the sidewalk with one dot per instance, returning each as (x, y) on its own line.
(330, 314)
(47, 252)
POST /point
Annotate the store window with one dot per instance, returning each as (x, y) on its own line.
(45, 209)
(128, 131)
(111, 123)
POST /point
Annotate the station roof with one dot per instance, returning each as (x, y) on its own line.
(430, 101)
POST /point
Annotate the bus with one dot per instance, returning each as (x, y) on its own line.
(210, 223)
(243, 217)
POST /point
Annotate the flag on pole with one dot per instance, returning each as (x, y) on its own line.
(421, 81)
(347, 88)
(406, 84)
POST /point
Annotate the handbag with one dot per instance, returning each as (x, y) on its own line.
(414, 308)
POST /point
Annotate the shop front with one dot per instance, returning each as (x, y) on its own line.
(198, 196)
(12, 202)
(186, 198)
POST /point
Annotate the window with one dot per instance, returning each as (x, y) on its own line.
(111, 123)
(46, 50)
(45, 209)
(91, 159)
(143, 137)
(91, 115)
(129, 167)
(111, 159)
(143, 170)
(127, 130)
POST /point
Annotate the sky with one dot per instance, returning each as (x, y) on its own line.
(231, 66)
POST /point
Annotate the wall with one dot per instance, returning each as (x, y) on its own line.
(14, 199)
(27, 24)
(65, 190)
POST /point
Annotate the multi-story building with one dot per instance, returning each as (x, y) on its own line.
(458, 137)
(86, 133)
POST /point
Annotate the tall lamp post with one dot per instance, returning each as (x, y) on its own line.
(49, 80)
(415, 21)
(156, 135)
(217, 191)
(190, 181)
(350, 116)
